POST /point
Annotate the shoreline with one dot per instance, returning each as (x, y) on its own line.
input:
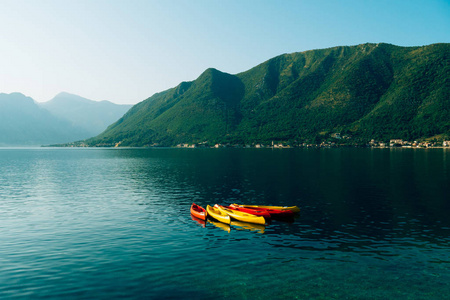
(227, 147)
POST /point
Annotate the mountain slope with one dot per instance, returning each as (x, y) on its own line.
(93, 116)
(24, 123)
(376, 91)
(205, 108)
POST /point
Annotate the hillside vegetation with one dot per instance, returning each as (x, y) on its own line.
(369, 91)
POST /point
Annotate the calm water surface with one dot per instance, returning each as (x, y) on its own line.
(115, 223)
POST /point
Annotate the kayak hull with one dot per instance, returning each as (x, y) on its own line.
(294, 209)
(216, 214)
(198, 211)
(241, 216)
(257, 212)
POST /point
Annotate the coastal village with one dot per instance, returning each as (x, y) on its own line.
(393, 143)
(335, 141)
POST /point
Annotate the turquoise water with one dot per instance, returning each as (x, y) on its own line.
(115, 223)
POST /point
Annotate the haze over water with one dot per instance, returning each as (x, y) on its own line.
(115, 223)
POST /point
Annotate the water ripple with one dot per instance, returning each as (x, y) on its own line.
(102, 223)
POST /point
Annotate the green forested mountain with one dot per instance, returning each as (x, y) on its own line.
(369, 91)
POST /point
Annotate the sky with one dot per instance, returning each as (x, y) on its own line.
(126, 51)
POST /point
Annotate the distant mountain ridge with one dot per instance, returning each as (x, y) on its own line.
(92, 116)
(24, 122)
(378, 91)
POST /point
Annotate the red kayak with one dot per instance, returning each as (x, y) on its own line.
(274, 213)
(198, 211)
(257, 212)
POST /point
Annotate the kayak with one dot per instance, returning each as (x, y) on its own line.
(198, 211)
(218, 215)
(274, 213)
(294, 209)
(257, 212)
(241, 216)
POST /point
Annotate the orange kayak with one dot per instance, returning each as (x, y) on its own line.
(198, 211)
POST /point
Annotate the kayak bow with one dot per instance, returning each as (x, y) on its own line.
(198, 211)
(215, 213)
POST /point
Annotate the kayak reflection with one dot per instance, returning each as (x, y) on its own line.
(220, 225)
(199, 221)
(248, 226)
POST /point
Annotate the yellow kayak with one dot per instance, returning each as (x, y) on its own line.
(218, 215)
(241, 216)
(294, 209)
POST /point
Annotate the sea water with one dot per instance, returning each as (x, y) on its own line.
(115, 223)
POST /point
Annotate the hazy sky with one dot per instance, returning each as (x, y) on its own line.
(125, 51)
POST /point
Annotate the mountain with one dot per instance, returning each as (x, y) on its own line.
(92, 116)
(368, 91)
(25, 123)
